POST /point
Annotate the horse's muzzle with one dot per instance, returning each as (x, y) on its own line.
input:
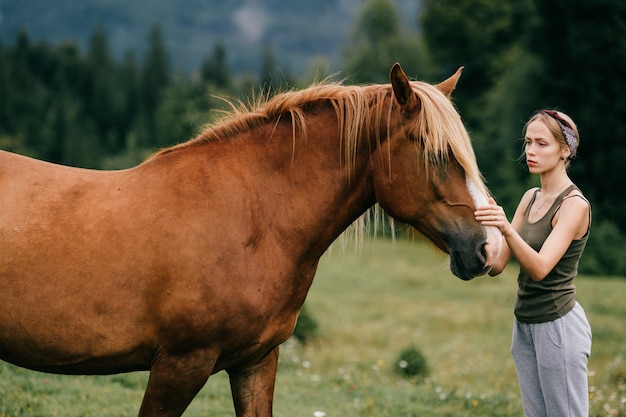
(469, 261)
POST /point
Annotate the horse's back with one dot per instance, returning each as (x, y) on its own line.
(99, 267)
(21, 175)
(62, 281)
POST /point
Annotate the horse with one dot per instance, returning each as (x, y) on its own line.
(199, 259)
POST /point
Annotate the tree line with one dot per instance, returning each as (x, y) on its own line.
(91, 110)
(87, 108)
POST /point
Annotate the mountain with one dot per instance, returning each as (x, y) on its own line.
(297, 31)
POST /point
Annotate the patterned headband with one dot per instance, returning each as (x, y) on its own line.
(567, 130)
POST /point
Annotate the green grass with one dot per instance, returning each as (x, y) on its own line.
(369, 307)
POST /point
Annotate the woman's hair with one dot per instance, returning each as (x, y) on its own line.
(562, 127)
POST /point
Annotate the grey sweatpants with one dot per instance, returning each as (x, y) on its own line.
(551, 362)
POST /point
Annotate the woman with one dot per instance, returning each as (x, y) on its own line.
(551, 336)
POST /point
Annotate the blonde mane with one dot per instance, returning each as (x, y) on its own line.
(442, 129)
(359, 109)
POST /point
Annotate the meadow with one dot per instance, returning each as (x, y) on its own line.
(370, 305)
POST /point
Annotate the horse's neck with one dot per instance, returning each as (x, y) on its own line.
(325, 193)
(299, 183)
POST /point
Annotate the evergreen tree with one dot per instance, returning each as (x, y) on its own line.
(130, 110)
(101, 100)
(155, 79)
(582, 46)
(25, 96)
(215, 70)
(379, 40)
(5, 83)
(272, 78)
(480, 35)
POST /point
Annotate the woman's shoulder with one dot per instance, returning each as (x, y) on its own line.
(525, 200)
(576, 210)
(528, 195)
(576, 198)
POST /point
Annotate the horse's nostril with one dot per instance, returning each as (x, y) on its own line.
(470, 261)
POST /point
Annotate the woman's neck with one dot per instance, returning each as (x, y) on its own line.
(556, 181)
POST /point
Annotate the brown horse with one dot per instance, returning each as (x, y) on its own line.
(199, 259)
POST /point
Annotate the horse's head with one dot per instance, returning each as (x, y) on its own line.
(427, 175)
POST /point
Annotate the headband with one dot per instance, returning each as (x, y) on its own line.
(568, 132)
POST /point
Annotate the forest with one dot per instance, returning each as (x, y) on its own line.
(87, 107)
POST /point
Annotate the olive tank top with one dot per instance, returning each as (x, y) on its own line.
(554, 296)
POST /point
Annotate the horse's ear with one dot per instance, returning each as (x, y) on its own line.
(401, 86)
(447, 86)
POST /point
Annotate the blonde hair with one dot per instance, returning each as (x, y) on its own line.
(359, 109)
(550, 118)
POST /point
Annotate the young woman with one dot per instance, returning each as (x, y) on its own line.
(551, 335)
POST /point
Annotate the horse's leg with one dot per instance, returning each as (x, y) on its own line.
(174, 381)
(253, 387)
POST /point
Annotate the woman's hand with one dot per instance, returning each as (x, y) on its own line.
(493, 215)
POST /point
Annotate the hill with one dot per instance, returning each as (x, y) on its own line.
(298, 31)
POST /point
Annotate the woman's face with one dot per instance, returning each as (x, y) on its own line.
(543, 151)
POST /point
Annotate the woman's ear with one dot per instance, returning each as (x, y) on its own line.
(565, 153)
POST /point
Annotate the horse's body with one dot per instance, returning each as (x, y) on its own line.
(199, 259)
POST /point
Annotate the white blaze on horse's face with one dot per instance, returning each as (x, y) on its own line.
(494, 236)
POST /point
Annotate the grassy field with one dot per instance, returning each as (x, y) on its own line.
(369, 307)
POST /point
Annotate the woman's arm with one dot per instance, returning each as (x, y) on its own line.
(484, 214)
(572, 218)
